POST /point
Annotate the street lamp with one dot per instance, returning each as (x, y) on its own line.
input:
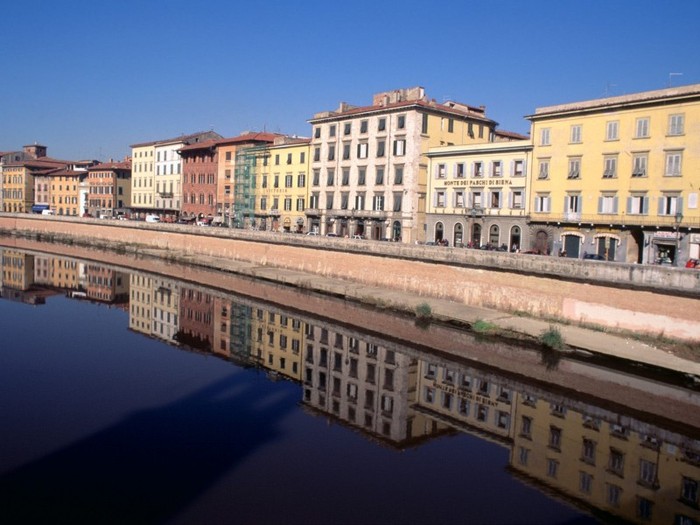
(678, 218)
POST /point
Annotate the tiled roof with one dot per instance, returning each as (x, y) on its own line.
(472, 111)
(181, 138)
(252, 136)
(622, 100)
(200, 145)
(43, 162)
(108, 166)
(511, 134)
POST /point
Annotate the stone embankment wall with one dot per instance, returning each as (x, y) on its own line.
(654, 300)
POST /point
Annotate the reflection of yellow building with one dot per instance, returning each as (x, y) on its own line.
(59, 272)
(466, 399)
(618, 176)
(280, 193)
(601, 460)
(278, 340)
(165, 296)
(222, 327)
(140, 303)
(17, 270)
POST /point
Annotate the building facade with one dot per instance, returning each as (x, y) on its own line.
(478, 195)
(618, 177)
(281, 187)
(199, 174)
(109, 188)
(369, 165)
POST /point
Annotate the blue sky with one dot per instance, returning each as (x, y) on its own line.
(89, 78)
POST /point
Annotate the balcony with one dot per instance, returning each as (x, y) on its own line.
(165, 194)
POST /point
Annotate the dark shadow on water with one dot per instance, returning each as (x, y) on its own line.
(149, 466)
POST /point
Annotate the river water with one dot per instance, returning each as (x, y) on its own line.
(130, 397)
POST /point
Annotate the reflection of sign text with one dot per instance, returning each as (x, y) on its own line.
(466, 394)
(478, 182)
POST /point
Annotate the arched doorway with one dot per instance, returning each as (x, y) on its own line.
(476, 235)
(542, 242)
(396, 231)
(606, 246)
(439, 231)
(514, 238)
(344, 231)
(493, 235)
(360, 228)
(638, 236)
(458, 236)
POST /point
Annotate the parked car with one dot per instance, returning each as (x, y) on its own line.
(593, 257)
(693, 263)
(331, 234)
(312, 233)
(48, 212)
(152, 218)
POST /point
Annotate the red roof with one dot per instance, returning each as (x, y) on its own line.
(200, 145)
(110, 166)
(473, 112)
(252, 136)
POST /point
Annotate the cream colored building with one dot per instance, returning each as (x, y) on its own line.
(478, 194)
(369, 169)
(618, 177)
(278, 340)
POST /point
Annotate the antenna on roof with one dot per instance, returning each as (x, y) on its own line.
(608, 88)
(670, 75)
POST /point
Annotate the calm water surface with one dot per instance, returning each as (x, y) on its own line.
(129, 398)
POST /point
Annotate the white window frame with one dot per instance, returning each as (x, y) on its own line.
(545, 137)
(674, 163)
(639, 164)
(543, 172)
(641, 128)
(612, 128)
(543, 203)
(610, 167)
(676, 124)
(575, 135)
(574, 171)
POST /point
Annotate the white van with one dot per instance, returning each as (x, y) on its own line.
(152, 218)
(48, 212)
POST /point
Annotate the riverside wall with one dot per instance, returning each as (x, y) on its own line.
(648, 299)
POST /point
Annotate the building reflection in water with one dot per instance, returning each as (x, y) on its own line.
(602, 460)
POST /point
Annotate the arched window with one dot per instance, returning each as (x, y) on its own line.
(493, 235)
(439, 231)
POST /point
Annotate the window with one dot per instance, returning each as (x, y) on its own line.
(475, 198)
(585, 482)
(575, 137)
(400, 147)
(424, 125)
(610, 167)
(330, 178)
(616, 462)
(346, 177)
(611, 130)
(555, 438)
(379, 179)
(676, 124)
(644, 508)
(398, 198)
(344, 198)
(588, 451)
(288, 181)
(302, 157)
(517, 199)
(360, 201)
(346, 151)
(289, 158)
(670, 204)
(526, 427)
(277, 160)
(398, 175)
(381, 124)
(276, 181)
(378, 203)
(401, 122)
(647, 473)
(673, 163)
(363, 126)
(544, 137)
(495, 199)
(544, 169)
(301, 180)
(362, 150)
(317, 178)
(613, 493)
(641, 128)
(689, 490)
(317, 154)
(572, 203)
(313, 201)
(381, 144)
(459, 171)
(523, 454)
(496, 166)
(518, 168)
(361, 176)
(441, 171)
(459, 199)
(331, 152)
(317, 133)
(552, 468)
(300, 203)
(331, 130)
(329, 201)
(347, 128)
(477, 169)
(607, 203)
(639, 165)
(440, 198)
(574, 168)
(638, 204)
(451, 125)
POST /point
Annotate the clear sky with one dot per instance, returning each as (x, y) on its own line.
(87, 78)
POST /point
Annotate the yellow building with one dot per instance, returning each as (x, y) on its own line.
(604, 462)
(277, 342)
(478, 194)
(18, 184)
(617, 177)
(281, 186)
(65, 191)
